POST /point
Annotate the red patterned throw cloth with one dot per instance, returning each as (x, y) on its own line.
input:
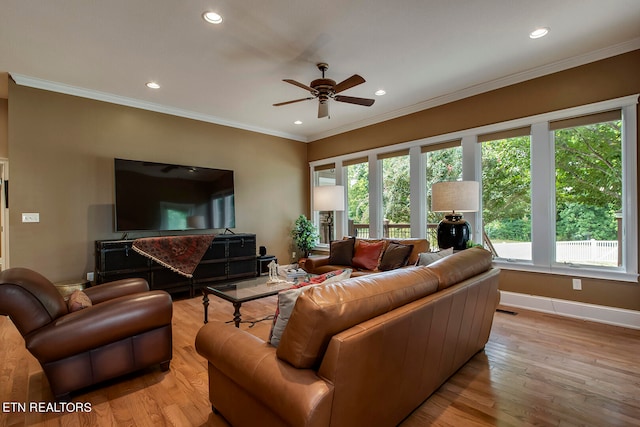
(181, 254)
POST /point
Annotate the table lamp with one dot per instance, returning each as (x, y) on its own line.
(328, 198)
(454, 197)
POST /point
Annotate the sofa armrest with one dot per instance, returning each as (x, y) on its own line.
(293, 394)
(311, 264)
(117, 288)
(100, 324)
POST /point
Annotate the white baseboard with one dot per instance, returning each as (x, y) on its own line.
(579, 310)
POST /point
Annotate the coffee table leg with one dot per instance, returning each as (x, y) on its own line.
(205, 303)
(236, 314)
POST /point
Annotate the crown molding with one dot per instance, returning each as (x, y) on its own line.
(544, 70)
(36, 83)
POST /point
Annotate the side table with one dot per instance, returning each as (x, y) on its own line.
(67, 287)
(263, 263)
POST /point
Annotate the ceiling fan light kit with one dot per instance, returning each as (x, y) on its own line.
(325, 89)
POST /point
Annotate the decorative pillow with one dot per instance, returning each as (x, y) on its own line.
(426, 258)
(287, 300)
(367, 254)
(341, 251)
(395, 256)
(78, 300)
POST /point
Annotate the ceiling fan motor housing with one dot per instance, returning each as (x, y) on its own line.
(323, 86)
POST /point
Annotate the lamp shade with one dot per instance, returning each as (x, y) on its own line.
(458, 196)
(328, 198)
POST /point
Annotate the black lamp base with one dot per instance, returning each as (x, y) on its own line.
(453, 231)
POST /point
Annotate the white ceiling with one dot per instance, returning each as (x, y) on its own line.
(422, 52)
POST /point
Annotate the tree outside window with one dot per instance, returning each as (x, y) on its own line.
(357, 187)
(506, 196)
(588, 199)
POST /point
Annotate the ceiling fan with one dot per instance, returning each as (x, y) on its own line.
(325, 89)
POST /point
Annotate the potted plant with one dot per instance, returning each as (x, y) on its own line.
(305, 235)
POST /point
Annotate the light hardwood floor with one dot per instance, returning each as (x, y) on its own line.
(536, 370)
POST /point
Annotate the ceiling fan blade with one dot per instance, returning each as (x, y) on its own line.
(352, 81)
(301, 85)
(353, 100)
(291, 102)
(323, 109)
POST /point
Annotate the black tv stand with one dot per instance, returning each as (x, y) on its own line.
(228, 230)
(230, 257)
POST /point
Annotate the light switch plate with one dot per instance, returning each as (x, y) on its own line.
(31, 217)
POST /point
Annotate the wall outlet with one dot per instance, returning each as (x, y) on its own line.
(293, 255)
(31, 217)
(577, 284)
(90, 276)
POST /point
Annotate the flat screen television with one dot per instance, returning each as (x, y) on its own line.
(167, 197)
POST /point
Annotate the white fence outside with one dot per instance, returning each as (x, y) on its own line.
(592, 252)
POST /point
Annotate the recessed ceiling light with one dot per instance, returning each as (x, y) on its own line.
(212, 17)
(539, 32)
(297, 122)
(153, 85)
(381, 92)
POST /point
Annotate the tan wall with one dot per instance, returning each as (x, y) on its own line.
(61, 151)
(607, 79)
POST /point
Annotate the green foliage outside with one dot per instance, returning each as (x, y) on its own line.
(588, 181)
(358, 190)
(588, 184)
(395, 190)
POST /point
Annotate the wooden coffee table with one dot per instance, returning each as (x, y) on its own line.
(240, 292)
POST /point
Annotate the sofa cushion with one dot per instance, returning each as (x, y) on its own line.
(341, 251)
(322, 311)
(367, 254)
(419, 246)
(395, 256)
(78, 300)
(426, 258)
(287, 300)
(460, 266)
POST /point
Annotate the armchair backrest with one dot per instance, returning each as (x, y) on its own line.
(29, 299)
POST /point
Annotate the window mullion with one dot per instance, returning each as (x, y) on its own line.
(542, 185)
(418, 192)
(375, 196)
(472, 171)
(630, 188)
(341, 216)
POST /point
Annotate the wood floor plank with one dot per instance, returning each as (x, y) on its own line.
(537, 370)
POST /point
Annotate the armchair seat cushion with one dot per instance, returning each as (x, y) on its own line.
(101, 324)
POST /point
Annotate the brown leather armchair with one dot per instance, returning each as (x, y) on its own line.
(127, 328)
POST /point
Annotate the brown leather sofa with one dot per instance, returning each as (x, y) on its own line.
(126, 328)
(323, 264)
(362, 352)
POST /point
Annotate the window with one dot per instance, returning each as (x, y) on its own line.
(506, 193)
(443, 162)
(325, 175)
(395, 195)
(357, 188)
(559, 189)
(588, 190)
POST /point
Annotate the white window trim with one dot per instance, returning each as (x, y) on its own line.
(471, 157)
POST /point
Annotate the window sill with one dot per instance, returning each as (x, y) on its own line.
(577, 271)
